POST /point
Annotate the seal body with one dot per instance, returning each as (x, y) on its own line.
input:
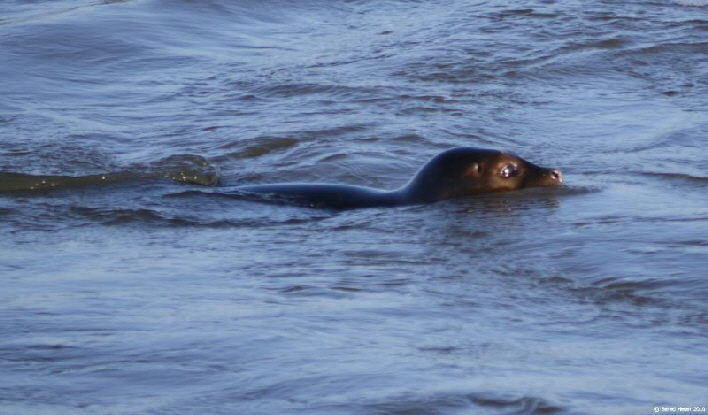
(458, 172)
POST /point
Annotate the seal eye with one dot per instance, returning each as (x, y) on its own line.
(509, 170)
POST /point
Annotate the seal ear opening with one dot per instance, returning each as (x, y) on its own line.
(474, 170)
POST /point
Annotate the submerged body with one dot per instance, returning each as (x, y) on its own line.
(462, 171)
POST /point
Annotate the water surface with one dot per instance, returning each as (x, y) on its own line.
(585, 299)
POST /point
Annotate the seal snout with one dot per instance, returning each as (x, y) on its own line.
(556, 175)
(548, 177)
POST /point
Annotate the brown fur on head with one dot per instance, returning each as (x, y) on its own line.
(467, 171)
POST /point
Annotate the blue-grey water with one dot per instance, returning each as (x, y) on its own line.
(585, 299)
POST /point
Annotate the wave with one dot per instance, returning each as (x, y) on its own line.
(451, 402)
(189, 216)
(182, 168)
(692, 3)
(680, 176)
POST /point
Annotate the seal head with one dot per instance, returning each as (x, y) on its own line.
(466, 171)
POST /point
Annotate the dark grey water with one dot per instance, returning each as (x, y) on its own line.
(589, 299)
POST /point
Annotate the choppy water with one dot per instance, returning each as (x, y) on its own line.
(583, 300)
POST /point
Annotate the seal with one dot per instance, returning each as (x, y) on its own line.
(458, 172)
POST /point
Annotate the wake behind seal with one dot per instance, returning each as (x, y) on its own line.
(458, 172)
(182, 168)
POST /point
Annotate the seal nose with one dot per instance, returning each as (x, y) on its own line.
(556, 175)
